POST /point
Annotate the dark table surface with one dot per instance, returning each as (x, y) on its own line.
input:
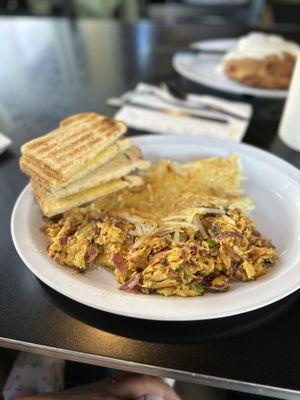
(51, 68)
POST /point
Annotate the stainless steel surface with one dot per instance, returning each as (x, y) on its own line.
(207, 380)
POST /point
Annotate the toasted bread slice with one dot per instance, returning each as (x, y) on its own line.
(120, 166)
(51, 184)
(51, 206)
(69, 149)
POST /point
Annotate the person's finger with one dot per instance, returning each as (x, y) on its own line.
(120, 373)
(133, 386)
(86, 392)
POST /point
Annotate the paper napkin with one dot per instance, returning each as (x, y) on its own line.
(4, 142)
(154, 121)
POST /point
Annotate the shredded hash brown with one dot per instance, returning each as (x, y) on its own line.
(185, 232)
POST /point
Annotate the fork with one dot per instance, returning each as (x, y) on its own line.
(180, 99)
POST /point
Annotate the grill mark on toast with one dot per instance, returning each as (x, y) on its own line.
(52, 138)
(42, 178)
(66, 132)
(84, 143)
(79, 150)
(77, 139)
(29, 147)
(55, 173)
(37, 175)
(64, 136)
(77, 117)
(77, 147)
(47, 147)
(55, 182)
(120, 161)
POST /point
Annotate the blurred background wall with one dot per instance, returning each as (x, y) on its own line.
(251, 12)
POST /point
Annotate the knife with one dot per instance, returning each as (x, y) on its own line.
(170, 110)
(190, 50)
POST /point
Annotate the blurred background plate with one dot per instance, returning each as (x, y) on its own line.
(205, 69)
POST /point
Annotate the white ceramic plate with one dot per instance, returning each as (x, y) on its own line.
(272, 183)
(204, 69)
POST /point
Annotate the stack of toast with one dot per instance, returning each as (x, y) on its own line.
(83, 159)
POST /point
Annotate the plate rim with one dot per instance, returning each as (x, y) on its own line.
(240, 90)
(207, 141)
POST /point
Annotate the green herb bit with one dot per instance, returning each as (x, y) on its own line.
(199, 288)
(85, 230)
(211, 243)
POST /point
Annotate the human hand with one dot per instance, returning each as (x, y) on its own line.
(122, 385)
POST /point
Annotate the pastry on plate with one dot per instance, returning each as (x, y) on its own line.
(261, 60)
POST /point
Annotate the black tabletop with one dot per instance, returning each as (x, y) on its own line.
(51, 68)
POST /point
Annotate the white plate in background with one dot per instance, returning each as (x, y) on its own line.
(205, 69)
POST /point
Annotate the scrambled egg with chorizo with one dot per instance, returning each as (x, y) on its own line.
(185, 232)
